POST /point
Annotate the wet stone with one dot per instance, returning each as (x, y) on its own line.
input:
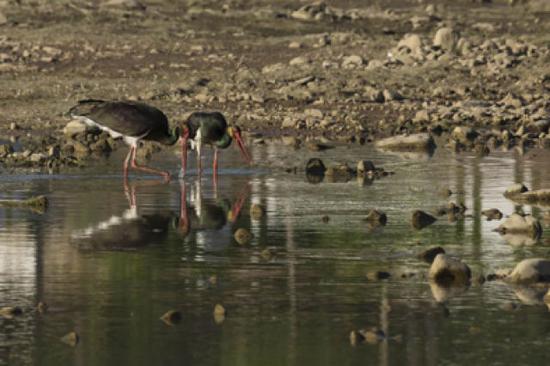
(421, 219)
(531, 271)
(378, 275)
(515, 189)
(171, 317)
(242, 236)
(376, 217)
(71, 339)
(447, 270)
(492, 214)
(9, 312)
(219, 314)
(521, 224)
(315, 167)
(257, 211)
(429, 255)
(364, 166)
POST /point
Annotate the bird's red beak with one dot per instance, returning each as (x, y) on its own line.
(244, 151)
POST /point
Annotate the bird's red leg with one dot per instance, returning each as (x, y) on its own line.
(134, 165)
(215, 168)
(127, 161)
(184, 153)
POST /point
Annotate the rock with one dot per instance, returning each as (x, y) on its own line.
(530, 271)
(521, 224)
(464, 134)
(390, 95)
(421, 219)
(492, 214)
(447, 270)
(325, 219)
(412, 42)
(446, 38)
(314, 112)
(41, 307)
(364, 166)
(315, 166)
(219, 314)
(37, 158)
(378, 275)
(376, 217)
(300, 60)
(127, 4)
(429, 255)
(3, 19)
(371, 336)
(515, 189)
(75, 127)
(71, 339)
(415, 142)
(243, 236)
(339, 173)
(9, 312)
(352, 61)
(5, 150)
(310, 11)
(314, 146)
(445, 192)
(539, 195)
(373, 95)
(171, 317)
(257, 211)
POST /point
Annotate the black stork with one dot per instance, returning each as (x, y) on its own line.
(210, 128)
(133, 121)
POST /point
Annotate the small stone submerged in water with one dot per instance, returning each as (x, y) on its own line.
(371, 336)
(429, 255)
(171, 317)
(446, 270)
(316, 171)
(219, 313)
(521, 225)
(242, 236)
(421, 219)
(257, 211)
(376, 218)
(492, 214)
(8, 312)
(71, 339)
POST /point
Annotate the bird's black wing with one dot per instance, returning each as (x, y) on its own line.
(212, 125)
(128, 118)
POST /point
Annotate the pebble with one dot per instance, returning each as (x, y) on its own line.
(243, 236)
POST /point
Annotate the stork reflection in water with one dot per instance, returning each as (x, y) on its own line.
(207, 220)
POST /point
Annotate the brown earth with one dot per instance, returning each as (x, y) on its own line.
(341, 68)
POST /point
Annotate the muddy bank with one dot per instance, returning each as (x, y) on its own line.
(352, 71)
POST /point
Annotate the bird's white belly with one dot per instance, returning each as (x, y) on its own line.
(93, 123)
(130, 140)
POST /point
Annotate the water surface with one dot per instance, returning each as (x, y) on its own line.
(110, 259)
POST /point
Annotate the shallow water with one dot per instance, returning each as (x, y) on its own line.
(109, 260)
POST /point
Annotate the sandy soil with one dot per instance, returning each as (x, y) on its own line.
(341, 68)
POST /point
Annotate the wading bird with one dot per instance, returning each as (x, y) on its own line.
(210, 128)
(134, 121)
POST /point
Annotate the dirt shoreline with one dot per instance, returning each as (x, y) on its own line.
(477, 72)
